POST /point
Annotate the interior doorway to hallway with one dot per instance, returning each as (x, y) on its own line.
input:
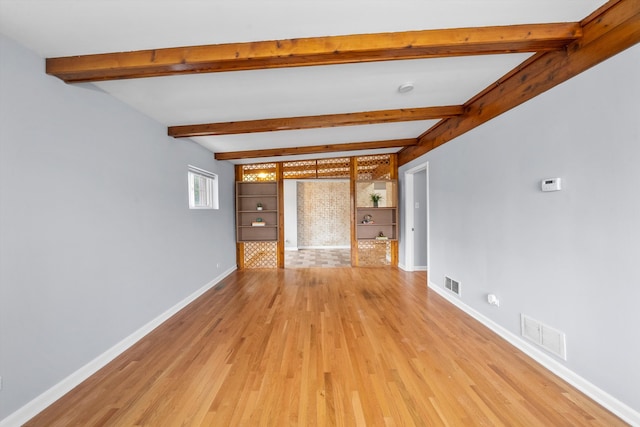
(416, 246)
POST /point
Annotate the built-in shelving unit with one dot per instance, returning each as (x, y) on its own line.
(254, 223)
(377, 223)
(374, 229)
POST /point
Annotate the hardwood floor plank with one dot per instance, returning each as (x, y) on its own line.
(323, 347)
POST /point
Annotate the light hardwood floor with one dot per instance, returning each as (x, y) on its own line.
(322, 347)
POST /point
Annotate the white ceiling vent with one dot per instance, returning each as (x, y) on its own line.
(545, 336)
(452, 285)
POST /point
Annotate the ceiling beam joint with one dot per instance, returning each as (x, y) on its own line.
(607, 32)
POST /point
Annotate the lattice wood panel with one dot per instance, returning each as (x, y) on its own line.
(322, 168)
(374, 253)
(260, 255)
(374, 167)
(304, 169)
(334, 168)
(259, 172)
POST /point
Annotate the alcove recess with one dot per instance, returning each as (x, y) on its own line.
(380, 222)
(257, 211)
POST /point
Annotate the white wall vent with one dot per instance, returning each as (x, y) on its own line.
(452, 285)
(545, 336)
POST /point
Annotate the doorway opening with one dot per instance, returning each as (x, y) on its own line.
(416, 248)
(317, 223)
(260, 228)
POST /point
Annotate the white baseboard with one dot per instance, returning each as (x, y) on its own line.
(41, 402)
(415, 267)
(619, 408)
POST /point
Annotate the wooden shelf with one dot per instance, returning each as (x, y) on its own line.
(248, 195)
(384, 217)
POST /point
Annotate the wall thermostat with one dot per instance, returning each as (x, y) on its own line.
(551, 184)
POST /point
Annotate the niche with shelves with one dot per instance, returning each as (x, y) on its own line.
(257, 211)
(377, 223)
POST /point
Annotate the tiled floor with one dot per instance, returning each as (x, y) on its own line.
(305, 258)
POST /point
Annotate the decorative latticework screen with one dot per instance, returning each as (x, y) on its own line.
(373, 167)
(261, 255)
(304, 169)
(334, 168)
(259, 172)
(312, 169)
(369, 168)
(374, 253)
(370, 252)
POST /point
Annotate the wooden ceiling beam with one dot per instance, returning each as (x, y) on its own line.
(315, 149)
(608, 31)
(314, 51)
(311, 122)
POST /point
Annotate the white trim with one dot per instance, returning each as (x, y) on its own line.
(202, 172)
(619, 408)
(211, 188)
(415, 267)
(428, 215)
(37, 405)
(409, 216)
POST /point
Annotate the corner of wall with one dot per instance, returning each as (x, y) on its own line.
(622, 410)
(37, 405)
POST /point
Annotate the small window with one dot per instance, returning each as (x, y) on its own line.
(203, 189)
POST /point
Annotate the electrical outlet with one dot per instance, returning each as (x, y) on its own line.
(218, 265)
(493, 300)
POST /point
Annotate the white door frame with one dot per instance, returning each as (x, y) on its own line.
(409, 217)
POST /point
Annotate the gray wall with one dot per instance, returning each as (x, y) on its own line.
(568, 258)
(96, 235)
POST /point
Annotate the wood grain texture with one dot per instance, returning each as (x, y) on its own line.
(313, 51)
(393, 168)
(312, 122)
(610, 30)
(239, 176)
(315, 149)
(353, 177)
(322, 347)
(280, 180)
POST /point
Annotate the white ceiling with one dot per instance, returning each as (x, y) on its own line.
(64, 28)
